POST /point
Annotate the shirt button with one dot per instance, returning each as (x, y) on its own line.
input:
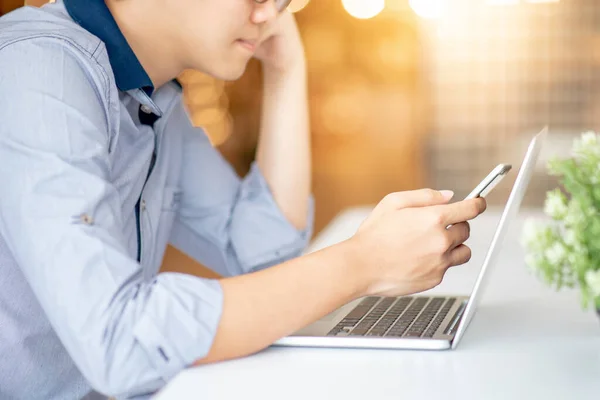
(145, 109)
(86, 219)
(143, 205)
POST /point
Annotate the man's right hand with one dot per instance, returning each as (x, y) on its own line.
(405, 246)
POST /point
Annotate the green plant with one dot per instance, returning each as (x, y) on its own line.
(565, 252)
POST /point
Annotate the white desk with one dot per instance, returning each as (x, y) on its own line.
(526, 342)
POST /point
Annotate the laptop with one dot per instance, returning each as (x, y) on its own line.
(416, 322)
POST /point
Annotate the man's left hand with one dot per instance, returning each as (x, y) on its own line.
(281, 51)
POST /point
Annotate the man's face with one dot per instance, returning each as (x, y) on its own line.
(218, 37)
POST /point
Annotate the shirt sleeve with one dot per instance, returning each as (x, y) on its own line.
(231, 225)
(127, 336)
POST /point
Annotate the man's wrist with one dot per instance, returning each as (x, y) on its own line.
(278, 75)
(352, 268)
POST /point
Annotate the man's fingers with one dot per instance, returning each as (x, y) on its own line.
(460, 255)
(461, 211)
(459, 233)
(417, 198)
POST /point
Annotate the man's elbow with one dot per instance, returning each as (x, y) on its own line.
(119, 379)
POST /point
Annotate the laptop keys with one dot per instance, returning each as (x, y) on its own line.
(417, 329)
(439, 319)
(389, 318)
(372, 317)
(352, 318)
(408, 317)
(395, 317)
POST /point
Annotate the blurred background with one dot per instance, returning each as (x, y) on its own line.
(420, 93)
(425, 93)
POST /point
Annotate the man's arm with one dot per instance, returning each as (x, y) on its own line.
(402, 248)
(228, 224)
(284, 299)
(283, 153)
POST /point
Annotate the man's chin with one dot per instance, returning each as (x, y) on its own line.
(230, 73)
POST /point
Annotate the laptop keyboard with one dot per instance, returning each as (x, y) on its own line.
(411, 317)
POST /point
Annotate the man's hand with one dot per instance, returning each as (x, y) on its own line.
(281, 49)
(405, 246)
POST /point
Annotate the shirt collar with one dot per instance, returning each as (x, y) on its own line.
(95, 17)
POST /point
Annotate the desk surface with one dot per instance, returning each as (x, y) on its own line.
(525, 342)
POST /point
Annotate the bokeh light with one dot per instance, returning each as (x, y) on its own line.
(429, 9)
(364, 9)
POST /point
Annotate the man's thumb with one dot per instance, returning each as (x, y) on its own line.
(418, 198)
(447, 194)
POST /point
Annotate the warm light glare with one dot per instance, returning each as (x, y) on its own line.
(430, 9)
(510, 2)
(501, 2)
(364, 9)
(297, 5)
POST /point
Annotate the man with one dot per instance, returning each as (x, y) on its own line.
(101, 168)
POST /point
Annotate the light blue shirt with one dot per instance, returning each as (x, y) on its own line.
(84, 225)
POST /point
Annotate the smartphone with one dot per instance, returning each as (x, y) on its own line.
(490, 181)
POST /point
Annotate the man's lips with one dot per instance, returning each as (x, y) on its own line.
(248, 44)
